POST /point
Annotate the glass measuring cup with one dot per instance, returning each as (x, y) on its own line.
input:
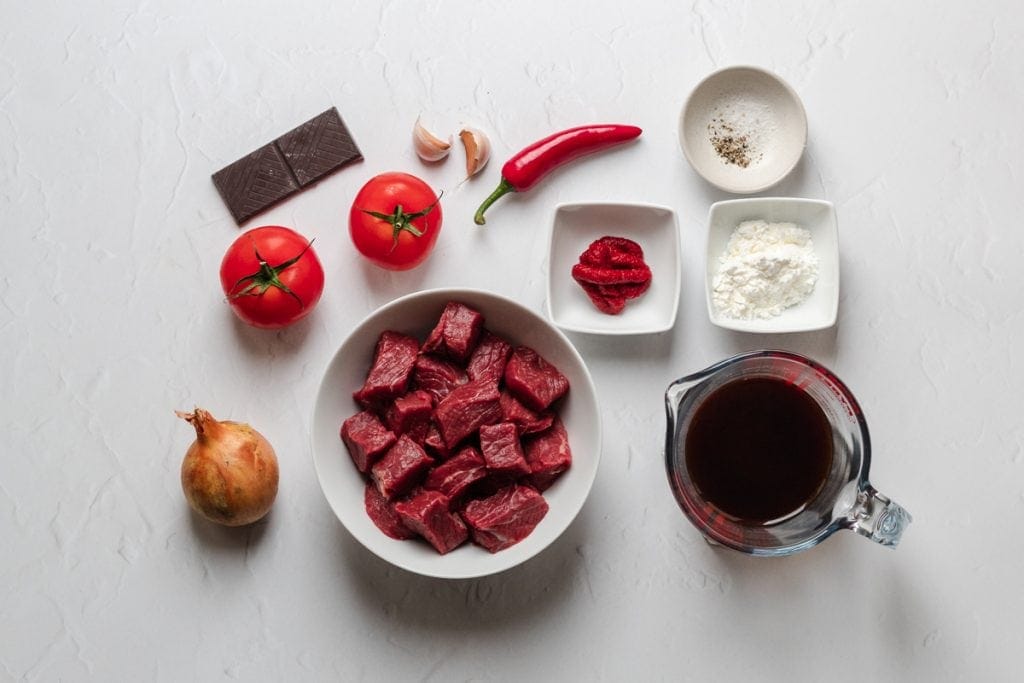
(845, 500)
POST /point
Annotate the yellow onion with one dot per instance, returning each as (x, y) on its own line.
(230, 473)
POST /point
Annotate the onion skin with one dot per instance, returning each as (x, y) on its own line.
(229, 474)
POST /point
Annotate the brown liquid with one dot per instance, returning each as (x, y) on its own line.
(759, 449)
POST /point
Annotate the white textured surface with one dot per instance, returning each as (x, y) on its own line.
(114, 114)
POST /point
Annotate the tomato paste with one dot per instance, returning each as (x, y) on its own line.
(612, 271)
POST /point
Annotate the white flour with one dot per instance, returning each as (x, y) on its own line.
(766, 268)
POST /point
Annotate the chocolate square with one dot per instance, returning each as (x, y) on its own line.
(318, 147)
(289, 164)
(255, 182)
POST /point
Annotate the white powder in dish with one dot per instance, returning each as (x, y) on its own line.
(766, 268)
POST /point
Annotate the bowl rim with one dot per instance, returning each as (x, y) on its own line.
(718, 74)
(455, 292)
(739, 325)
(624, 332)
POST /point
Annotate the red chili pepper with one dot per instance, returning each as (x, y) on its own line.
(525, 169)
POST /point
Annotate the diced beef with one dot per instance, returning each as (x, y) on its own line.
(410, 414)
(388, 378)
(533, 380)
(548, 454)
(466, 409)
(500, 446)
(507, 517)
(434, 443)
(366, 439)
(489, 485)
(489, 358)
(437, 376)
(383, 514)
(454, 477)
(426, 512)
(456, 332)
(458, 437)
(522, 417)
(401, 468)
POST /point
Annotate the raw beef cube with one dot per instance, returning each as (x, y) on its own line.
(466, 409)
(533, 380)
(489, 358)
(435, 445)
(507, 517)
(548, 455)
(490, 485)
(453, 477)
(456, 332)
(410, 414)
(366, 439)
(522, 417)
(437, 376)
(427, 514)
(388, 378)
(502, 452)
(401, 468)
(383, 514)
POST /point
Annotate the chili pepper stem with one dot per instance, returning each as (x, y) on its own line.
(504, 187)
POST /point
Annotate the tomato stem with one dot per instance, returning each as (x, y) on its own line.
(400, 220)
(268, 276)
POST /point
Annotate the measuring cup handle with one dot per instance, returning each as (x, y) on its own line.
(878, 518)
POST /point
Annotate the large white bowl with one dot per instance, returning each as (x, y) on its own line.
(416, 314)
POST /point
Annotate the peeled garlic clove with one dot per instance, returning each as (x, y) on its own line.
(428, 146)
(478, 150)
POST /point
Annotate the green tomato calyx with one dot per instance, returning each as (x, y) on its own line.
(267, 276)
(402, 221)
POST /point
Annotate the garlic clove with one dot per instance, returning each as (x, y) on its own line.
(478, 150)
(428, 146)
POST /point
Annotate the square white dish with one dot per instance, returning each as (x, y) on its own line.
(814, 215)
(573, 228)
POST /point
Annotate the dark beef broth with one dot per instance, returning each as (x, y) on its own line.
(759, 449)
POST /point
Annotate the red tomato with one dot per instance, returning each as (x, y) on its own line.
(395, 220)
(271, 276)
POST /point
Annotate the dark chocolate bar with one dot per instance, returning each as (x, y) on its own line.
(289, 164)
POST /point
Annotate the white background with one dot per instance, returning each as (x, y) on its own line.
(113, 115)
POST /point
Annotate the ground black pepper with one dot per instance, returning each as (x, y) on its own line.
(732, 146)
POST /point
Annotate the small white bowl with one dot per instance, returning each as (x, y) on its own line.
(754, 103)
(815, 215)
(416, 314)
(653, 227)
